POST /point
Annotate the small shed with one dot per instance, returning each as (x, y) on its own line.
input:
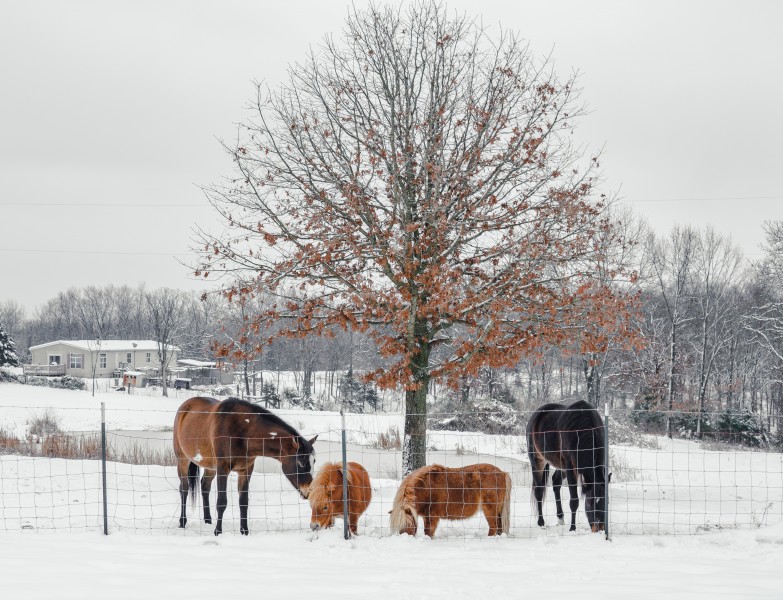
(133, 379)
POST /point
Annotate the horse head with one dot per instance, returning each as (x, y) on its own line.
(322, 506)
(595, 501)
(298, 460)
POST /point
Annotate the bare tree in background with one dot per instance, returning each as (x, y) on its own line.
(671, 265)
(715, 282)
(165, 309)
(767, 320)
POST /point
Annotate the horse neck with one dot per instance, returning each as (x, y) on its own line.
(261, 442)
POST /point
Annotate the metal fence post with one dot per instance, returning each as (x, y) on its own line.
(103, 469)
(346, 530)
(606, 468)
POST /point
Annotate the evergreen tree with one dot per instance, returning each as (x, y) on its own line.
(8, 357)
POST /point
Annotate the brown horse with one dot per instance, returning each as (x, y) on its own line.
(326, 495)
(436, 492)
(226, 436)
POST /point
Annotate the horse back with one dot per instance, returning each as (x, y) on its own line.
(566, 436)
(193, 426)
(359, 490)
(458, 493)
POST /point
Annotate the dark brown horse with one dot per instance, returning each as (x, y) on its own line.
(436, 492)
(571, 439)
(226, 436)
(326, 495)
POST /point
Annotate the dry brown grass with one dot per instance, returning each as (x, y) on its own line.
(9, 444)
(83, 447)
(140, 455)
(390, 440)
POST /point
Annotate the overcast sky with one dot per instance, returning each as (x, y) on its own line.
(110, 114)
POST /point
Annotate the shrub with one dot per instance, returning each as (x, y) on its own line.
(8, 376)
(485, 416)
(44, 424)
(390, 440)
(63, 383)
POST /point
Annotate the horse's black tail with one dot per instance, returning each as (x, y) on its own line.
(192, 481)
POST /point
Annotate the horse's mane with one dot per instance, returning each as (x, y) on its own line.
(404, 499)
(235, 405)
(322, 482)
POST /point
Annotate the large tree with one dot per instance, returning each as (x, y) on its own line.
(416, 180)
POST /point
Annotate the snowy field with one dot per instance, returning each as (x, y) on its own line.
(51, 520)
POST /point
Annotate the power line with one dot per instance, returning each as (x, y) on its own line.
(708, 199)
(104, 204)
(173, 254)
(202, 205)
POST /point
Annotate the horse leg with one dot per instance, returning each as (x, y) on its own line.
(430, 524)
(206, 486)
(574, 503)
(243, 484)
(222, 499)
(353, 522)
(183, 463)
(492, 513)
(540, 472)
(557, 481)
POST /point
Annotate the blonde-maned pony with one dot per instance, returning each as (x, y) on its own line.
(326, 495)
(436, 492)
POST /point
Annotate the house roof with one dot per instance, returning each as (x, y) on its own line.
(108, 345)
(189, 362)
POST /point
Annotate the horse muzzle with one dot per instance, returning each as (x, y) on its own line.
(304, 491)
(315, 526)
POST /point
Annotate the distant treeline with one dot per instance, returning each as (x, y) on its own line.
(710, 324)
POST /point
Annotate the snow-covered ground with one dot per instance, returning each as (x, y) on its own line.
(51, 520)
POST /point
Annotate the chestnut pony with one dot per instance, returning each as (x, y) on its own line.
(571, 439)
(326, 495)
(226, 436)
(436, 492)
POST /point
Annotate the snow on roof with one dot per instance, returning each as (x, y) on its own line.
(189, 362)
(108, 345)
(134, 373)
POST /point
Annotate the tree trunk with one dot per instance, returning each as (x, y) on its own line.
(702, 377)
(414, 449)
(670, 384)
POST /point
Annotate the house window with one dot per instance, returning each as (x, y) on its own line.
(102, 360)
(149, 356)
(55, 359)
(130, 358)
(77, 361)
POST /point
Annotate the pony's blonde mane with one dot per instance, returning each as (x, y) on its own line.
(403, 512)
(323, 485)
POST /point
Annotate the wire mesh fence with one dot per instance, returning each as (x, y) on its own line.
(52, 480)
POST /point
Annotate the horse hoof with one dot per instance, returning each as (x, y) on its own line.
(218, 532)
(244, 531)
(182, 523)
(208, 521)
(572, 528)
(561, 521)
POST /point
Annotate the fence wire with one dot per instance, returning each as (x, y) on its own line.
(53, 480)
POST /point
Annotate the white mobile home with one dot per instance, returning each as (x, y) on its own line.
(76, 358)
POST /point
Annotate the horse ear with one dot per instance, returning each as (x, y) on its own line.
(312, 441)
(295, 443)
(390, 512)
